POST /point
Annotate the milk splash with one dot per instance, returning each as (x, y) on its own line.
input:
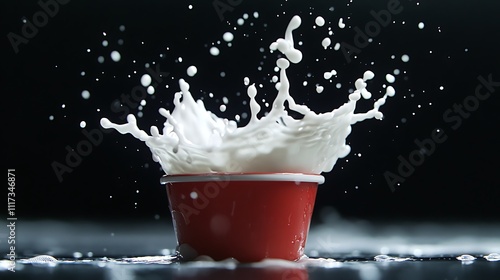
(194, 140)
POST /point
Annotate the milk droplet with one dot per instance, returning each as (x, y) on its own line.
(246, 81)
(386, 258)
(337, 46)
(493, 257)
(145, 80)
(255, 14)
(368, 75)
(326, 42)
(214, 51)
(405, 58)
(466, 257)
(222, 108)
(100, 59)
(240, 21)
(150, 90)
(328, 75)
(319, 89)
(85, 94)
(51, 117)
(192, 70)
(193, 195)
(421, 25)
(320, 21)
(341, 23)
(115, 56)
(390, 78)
(105, 43)
(83, 124)
(228, 36)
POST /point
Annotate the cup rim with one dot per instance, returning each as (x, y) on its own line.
(204, 177)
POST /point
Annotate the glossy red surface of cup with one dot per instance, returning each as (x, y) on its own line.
(248, 217)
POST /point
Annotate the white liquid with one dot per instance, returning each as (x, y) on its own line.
(192, 70)
(326, 42)
(228, 36)
(320, 21)
(145, 80)
(390, 78)
(341, 23)
(85, 94)
(328, 75)
(194, 140)
(214, 51)
(115, 56)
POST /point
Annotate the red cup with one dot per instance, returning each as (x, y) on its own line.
(248, 216)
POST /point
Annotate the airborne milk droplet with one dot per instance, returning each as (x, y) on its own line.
(341, 23)
(194, 140)
(390, 78)
(421, 25)
(228, 36)
(320, 21)
(115, 56)
(145, 80)
(405, 58)
(85, 94)
(326, 42)
(214, 51)
(192, 70)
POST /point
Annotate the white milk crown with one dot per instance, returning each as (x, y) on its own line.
(194, 140)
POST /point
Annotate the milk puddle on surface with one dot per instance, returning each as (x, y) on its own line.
(194, 140)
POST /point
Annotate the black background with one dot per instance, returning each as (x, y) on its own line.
(460, 42)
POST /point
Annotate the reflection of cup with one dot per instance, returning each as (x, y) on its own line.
(242, 273)
(247, 216)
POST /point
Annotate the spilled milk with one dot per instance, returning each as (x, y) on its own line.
(194, 140)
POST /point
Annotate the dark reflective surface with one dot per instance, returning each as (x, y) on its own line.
(362, 270)
(354, 250)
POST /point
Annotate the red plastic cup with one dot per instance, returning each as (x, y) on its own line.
(249, 217)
